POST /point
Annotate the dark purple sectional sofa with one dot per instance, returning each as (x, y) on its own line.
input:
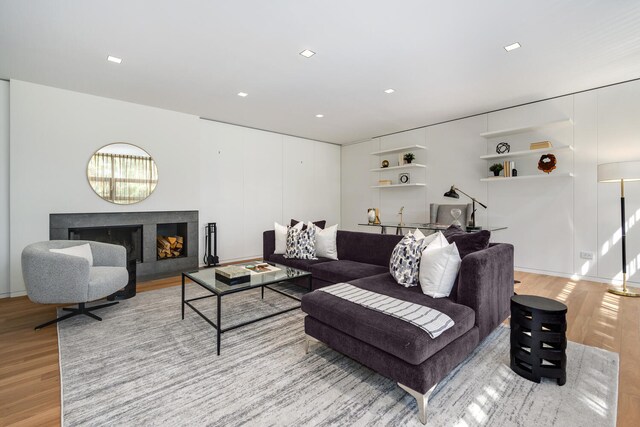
(479, 302)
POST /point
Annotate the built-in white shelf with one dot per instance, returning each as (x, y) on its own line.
(399, 185)
(521, 177)
(522, 129)
(525, 153)
(395, 168)
(399, 150)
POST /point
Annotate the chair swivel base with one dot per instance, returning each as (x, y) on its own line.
(82, 309)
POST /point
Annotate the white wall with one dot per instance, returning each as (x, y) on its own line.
(538, 213)
(232, 175)
(452, 157)
(4, 188)
(252, 178)
(550, 221)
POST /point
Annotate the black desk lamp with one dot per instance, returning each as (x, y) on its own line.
(454, 195)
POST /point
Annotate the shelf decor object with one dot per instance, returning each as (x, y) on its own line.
(408, 158)
(547, 163)
(539, 145)
(619, 173)
(371, 215)
(496, 168)
(503, 148)
(454, 195)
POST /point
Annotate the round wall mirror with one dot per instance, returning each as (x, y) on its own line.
(122, 173)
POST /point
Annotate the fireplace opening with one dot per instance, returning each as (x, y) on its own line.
(129, 236)
(171, 240)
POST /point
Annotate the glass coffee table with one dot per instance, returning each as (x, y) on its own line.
(206, 278)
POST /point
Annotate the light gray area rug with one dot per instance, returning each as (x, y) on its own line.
(142, 365)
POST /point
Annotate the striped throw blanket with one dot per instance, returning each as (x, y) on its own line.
(428, 319)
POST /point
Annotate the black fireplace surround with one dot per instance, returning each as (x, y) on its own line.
(137, 232)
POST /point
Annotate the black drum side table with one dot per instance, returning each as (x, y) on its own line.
(538, 338)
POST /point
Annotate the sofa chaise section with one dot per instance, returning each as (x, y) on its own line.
(479, 302)
(394, 336)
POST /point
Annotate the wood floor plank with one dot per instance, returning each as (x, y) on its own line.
(30, 378)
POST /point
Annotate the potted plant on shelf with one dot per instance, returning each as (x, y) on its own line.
(408, 158)
(496, 168)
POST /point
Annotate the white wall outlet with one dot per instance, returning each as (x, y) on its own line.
(586, 255)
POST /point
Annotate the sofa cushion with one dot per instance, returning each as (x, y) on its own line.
(345, 270)
(301, 264)
(404, 264)
(395, 336)
(370, 248)
(301, 243)
(467, 243)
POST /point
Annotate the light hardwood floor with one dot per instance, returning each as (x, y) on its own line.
(30, 380)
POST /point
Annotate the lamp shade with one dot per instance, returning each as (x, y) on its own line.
(452, 193)
(614, 172)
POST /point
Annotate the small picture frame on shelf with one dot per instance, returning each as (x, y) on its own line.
(404, 178)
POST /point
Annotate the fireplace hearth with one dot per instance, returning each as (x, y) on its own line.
(138, 232)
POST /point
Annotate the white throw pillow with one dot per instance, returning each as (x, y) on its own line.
(281, 237)
(438, 270)
(82, 251)
(326, 245)
(435, 241)
(418, 234)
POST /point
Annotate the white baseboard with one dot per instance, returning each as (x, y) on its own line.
(576, 276)
(13, 294)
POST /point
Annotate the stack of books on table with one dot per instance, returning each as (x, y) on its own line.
(233, 274)
(261, 268)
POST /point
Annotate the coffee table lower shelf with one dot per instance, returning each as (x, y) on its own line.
(218, 324)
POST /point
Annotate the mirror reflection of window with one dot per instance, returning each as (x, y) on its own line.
(122, 173)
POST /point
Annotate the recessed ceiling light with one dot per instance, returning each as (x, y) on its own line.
(319, 116)
(511, 47)
(307, 53)
(242, 94)
(114, 59)
(389, 91)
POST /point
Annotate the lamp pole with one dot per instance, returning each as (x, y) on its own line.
(473, 207)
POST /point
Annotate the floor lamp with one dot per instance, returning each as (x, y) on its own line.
(621, 172)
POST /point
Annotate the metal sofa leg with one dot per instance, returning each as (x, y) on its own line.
(308, 340)
(421, 399)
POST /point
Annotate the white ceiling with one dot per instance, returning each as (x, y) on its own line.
(445, 59)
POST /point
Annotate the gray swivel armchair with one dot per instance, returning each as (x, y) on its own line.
(441, 214)
(55, 278)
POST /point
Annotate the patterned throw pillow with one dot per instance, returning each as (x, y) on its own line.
(301, 244)
(404, 264)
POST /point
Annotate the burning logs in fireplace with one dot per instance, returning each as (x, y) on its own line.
(169, 246)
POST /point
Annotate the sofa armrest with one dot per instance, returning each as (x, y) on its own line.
(54, 278)
(108, 255)
(485, 284)
(268, 244)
